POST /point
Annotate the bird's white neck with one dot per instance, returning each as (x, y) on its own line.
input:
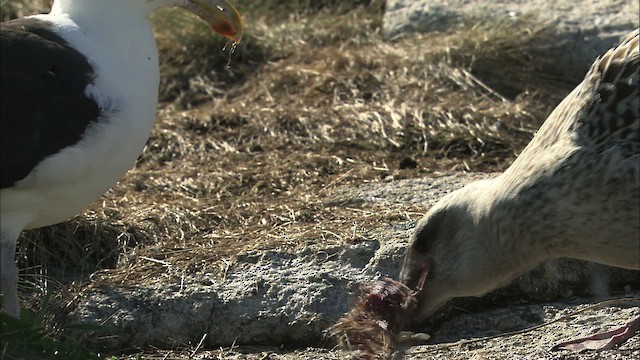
(564, 210)
(104, 9)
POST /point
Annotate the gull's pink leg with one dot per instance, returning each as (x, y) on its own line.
(602, 341)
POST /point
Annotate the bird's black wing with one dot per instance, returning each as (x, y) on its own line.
(43, 106)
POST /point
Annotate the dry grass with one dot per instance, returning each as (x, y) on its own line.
(247, 156)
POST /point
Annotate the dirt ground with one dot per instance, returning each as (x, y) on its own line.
(518, 332)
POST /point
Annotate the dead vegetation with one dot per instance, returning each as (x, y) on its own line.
(247, 156)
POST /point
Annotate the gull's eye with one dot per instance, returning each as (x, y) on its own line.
(427, 231)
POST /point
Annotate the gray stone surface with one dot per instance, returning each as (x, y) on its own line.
(278, 297)
(585, 28)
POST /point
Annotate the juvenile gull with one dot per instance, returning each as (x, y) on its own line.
(573, 192)
(79, 97)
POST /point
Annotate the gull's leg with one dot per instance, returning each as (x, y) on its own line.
(602, 341)
(9, 272)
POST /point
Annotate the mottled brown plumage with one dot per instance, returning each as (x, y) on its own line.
(573, 192)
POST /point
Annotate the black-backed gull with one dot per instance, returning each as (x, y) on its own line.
(79, 97)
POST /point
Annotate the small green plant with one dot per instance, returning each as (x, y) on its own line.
(28, 338)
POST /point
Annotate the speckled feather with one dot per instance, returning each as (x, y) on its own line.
(613, 118)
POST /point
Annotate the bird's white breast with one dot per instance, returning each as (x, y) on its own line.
(125, 61)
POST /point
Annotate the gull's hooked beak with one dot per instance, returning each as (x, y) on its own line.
(220, 15)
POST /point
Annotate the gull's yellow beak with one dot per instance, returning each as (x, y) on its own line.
(220, 15)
